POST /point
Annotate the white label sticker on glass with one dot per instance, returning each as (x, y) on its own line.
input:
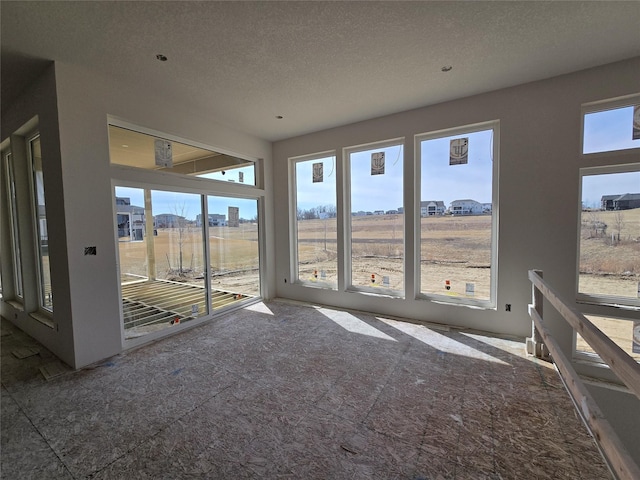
(459, 151)
(234, 217)
(318, 172)
(377, 163)
(470, 289)
(163, 153)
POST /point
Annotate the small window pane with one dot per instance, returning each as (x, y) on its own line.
(377, 219)
(611, 130)
(316, 222)
(609, 233)
(46, 295)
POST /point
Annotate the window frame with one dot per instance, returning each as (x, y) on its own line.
(126, 176)
(39, 267)
(17, 276)
(603, 106)
(599, 299)
(294, 273)
(258, 163)
(493, 125)
(347, 210)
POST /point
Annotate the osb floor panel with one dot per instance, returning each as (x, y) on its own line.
(283, 390)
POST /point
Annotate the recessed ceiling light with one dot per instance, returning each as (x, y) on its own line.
(161, 57)
(125, 146)
(446, 68)
(279, 117)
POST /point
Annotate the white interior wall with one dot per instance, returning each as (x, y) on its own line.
(540, 155)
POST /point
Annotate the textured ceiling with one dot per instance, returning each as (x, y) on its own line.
(317, 64)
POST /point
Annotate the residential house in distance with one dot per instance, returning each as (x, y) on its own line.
(432, 207)
(215, 220)
(466, 207)
(626, 201)
(168, 220)
(130, 219)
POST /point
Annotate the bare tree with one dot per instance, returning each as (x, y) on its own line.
(618, 220)
(181, 225)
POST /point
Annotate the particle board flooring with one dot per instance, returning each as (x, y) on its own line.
(284, 390)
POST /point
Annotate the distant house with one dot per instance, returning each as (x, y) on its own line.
(169, 220)
(486, 208)
(130, 219)
(379, 212)
(626, 201)
(432, 207)
(465, 207)
(215, 220)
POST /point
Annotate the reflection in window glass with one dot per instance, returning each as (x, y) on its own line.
(316, 222)
(139, 150)
(610, 130)
(233, 247)
(44, 269)
(377, 219)
(13, 228)
(609, 233)
(161, 253)
(456, 214)
(624, 333)
(243, 175)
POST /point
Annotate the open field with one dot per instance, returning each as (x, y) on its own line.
(610, 253)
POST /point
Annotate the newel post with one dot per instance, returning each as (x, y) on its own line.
(535, 344)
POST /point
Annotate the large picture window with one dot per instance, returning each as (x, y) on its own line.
(457, 213)
(609, 252)
(376, 213)
(315, 221)
(41, 227)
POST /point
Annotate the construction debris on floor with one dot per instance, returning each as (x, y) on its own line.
(285, 390)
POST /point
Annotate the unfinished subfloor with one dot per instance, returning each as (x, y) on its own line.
(283, 390)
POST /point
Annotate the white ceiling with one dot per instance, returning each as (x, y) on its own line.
(318, 64)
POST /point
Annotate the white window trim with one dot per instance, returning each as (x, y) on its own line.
(491, 303)
(346, 209)
(293, 220)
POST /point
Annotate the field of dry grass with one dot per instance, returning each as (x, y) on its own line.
(234, 257)
(610, 260)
